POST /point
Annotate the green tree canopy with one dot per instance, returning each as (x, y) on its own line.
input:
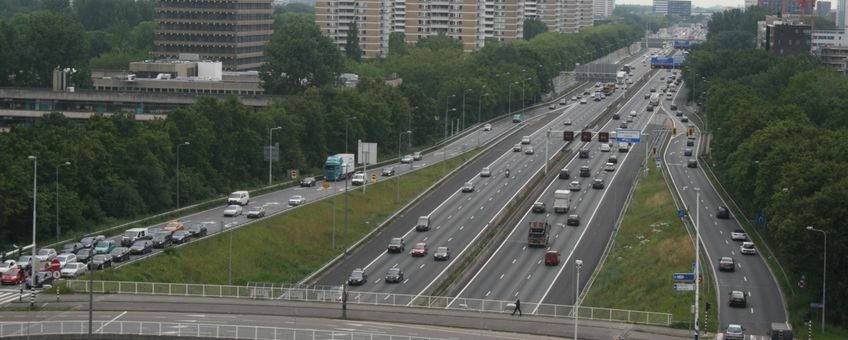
(533, 27)
(299, 56)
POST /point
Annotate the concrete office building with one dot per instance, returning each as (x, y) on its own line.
(787, 38)
(233, 32)
(792, 7)
(680, 8)
(661, 7)
(603, 8)
(822, 8)
(842, 14)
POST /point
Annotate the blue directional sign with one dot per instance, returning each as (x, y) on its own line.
(681, 213)
(761, 219)
(685, 277)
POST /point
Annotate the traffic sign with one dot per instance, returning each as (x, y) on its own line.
(586, 136)
(816, 305)
(603, 137)
(761, 219)
(373, 177)
(57, 275)
(628, 136)
(568, 136)
(681, 213)
(684, 287)
(685, 277)
(294, 173)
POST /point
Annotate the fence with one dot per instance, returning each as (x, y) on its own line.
(334, 295)
(26, 329)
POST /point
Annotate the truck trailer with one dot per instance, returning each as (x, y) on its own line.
(561, 200)
(538, 234)
(339, 166)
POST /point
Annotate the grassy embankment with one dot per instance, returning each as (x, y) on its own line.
(650, 246)
(285, 247)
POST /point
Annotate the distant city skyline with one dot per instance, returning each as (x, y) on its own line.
(696, 3)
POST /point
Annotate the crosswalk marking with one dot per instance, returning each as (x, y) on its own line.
(9, 296)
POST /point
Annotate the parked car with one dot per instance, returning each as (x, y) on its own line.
(296, 200)
(357, 277)
(388, 171)
(101, 261)
(73, 269)
(487, 127)
(441, 254)
(358, 179)
(231, 211)
(120, 254)
(85, 254)
(726, 264)
(539, 207)
(6, 265)
(105, 246)
(394, 275)
(46, 254)
(72, 247)
(13, 276)
(161, 239)
(747, 248)
(176, 225)
(90, 241)
(141, 247)
(396, 245)
(468, 187)
(419, 250)
(197, 229)
(66, 258)
(738, 299)
(308, 182)
(180, 237)
(254, 212)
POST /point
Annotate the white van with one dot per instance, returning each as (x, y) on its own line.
(239, 198)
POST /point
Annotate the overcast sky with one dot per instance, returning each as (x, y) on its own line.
(695, 3)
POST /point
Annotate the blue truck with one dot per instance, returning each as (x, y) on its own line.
(339, 166)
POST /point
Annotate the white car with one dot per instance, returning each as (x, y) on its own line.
(632, 113)
(296, 200)
(486, 172)
(566, 122)
(528, 150)
(232, 210)
(747, 248)
(358, 179)
(605, 147)
(583, 101)
(487, 127)
(65, 259)
(46, 254)
(525, 140)
(609, 166)
(738, 235)
(6, 265)
(73, 269)
(406, 159)
(574, 186)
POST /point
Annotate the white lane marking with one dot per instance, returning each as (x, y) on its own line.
(110, 321)
(487, 293)
(501, 278)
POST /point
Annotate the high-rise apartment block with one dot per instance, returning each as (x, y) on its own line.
(661, 7)
(233, 32)
(791, 7)
(603, 8)
(470, 22)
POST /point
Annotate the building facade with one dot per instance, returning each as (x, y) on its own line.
(841, 14)
(822, 8)
(661, 7)
(233, 32)
(787, 38)
(792, 7)
(679, 8)
(603, 8)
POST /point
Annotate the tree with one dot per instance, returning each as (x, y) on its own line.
(438, 42)
(7, 55)
(299, 56)
(533, 27)
(50, 41)
(352, 49)
(397, 45)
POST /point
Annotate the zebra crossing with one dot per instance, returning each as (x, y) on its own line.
(8, 295)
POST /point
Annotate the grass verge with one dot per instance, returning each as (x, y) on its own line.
(650, 246)
(285, 247)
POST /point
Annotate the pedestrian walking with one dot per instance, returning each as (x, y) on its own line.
(517, 307)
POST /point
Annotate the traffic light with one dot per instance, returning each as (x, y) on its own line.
(603, 137)
(586, 136)
(568, 136)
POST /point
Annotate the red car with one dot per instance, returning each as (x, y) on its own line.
(419, 250)
(13, 276)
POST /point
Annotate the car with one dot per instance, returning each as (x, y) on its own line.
(487, 127)
(632, 113)
(516, 118)
(583, 101)
(605, 147)
(552, 258)
(161, 239)
(629, 120)
(539, 207)
(567, 122)
(65, 259)
(180, 237)
(574, 186)
(134, 234)
(662, 78)
(564, 173)
(612, 159)
(441, 254)
(406, 159)
(552, 107)
(573, 220)
(13, 276)
(308, 182)
(649, 108)
(528, 150)
(584, 152)
(388, 171)
(121, 254)
(101, 261)
(178, 225)
(734, 332)
(584, 171)
(394, 275)
(738, 299)
(738, 235)
(416, 156)
(525, 140)
(573, 98)
(73, 269)
(678, 113)
(84, 254)
(423, 223)
(41, 278)
(516, 148)
(105, 246)
(485, 172)
(419, 250)
(747, 248)
(673, 107)
(468, 187)
(687, 152)
(647, 95)
(253, 212)
(357, 277)
(296, 200)
(690, 142)
(722, 212)
(684, 119)
(46, 254)
(653, 89)
(585, 93)
(230, 211)
(598, 183)
(396, 245)
(88, 242)
(357, 179)
(726, 264)
(669, 96)
(71, 248)
(141, 247)
(197, 229)
(692, 163)
(623, 125)
(608, 166)
(6, 265)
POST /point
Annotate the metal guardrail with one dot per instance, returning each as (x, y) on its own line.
(334, 295)
(178, 329)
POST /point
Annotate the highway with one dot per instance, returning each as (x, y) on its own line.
(517, 271)
(457, 219)
(765, 303)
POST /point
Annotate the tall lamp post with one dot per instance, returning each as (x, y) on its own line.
(271, 151)
(178, 171)
(58, 230)
(34, 160)
(523, 85)
(697, 260)
(397, 177)
(344, 241)
(509, 97)
(447, 99)
(824, 273)
(578, 264)
(462, 123)
(480, 104)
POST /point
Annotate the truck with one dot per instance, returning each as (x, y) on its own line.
(609, 88)
(339, 166)
(538, 234)
(561, 200)
(655, 99)
(619, 77)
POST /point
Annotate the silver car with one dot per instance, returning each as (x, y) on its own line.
(232, 210)
(73, 269)
(486, 172)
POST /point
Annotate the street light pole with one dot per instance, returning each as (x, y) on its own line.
(34, 261)
(547, 141)
(447, 99)
(697, 260)
(578, 264)
(824, 274)
(397, 177)
(479, 105)
(271, 151)
(178, 172)
(509, 97)
(58, 230)
(462, 124)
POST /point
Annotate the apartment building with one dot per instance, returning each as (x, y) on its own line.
(603, 8)
(233, 32)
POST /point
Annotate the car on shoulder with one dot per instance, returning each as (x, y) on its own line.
(726, 263)
(747, 248)
(394, 275)
(487, 127)
(73, 269)
(71, 247)
(416, 156)
(357, 277)
(574, 186)
(441, 254)
(141, 247)
(738, 235)
(105, 246)
(180, 237)
(177, 225)
(485, 172)
(396, 245)
(738, 299)
(573, 220)
(598, 183)
(120, 254)
(308, 182)
(734, 332)
(255, 212)
(419, 250)
(101, 261)
(388, 171)
(230, 211)
(722, 212)
(296, 200)
(406, 159)
(197, 229)
(161, 239)
(468, 187)
(13, 276)
(539, 207)
(528, 150)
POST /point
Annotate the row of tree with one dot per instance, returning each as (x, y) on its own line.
(777, 124)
